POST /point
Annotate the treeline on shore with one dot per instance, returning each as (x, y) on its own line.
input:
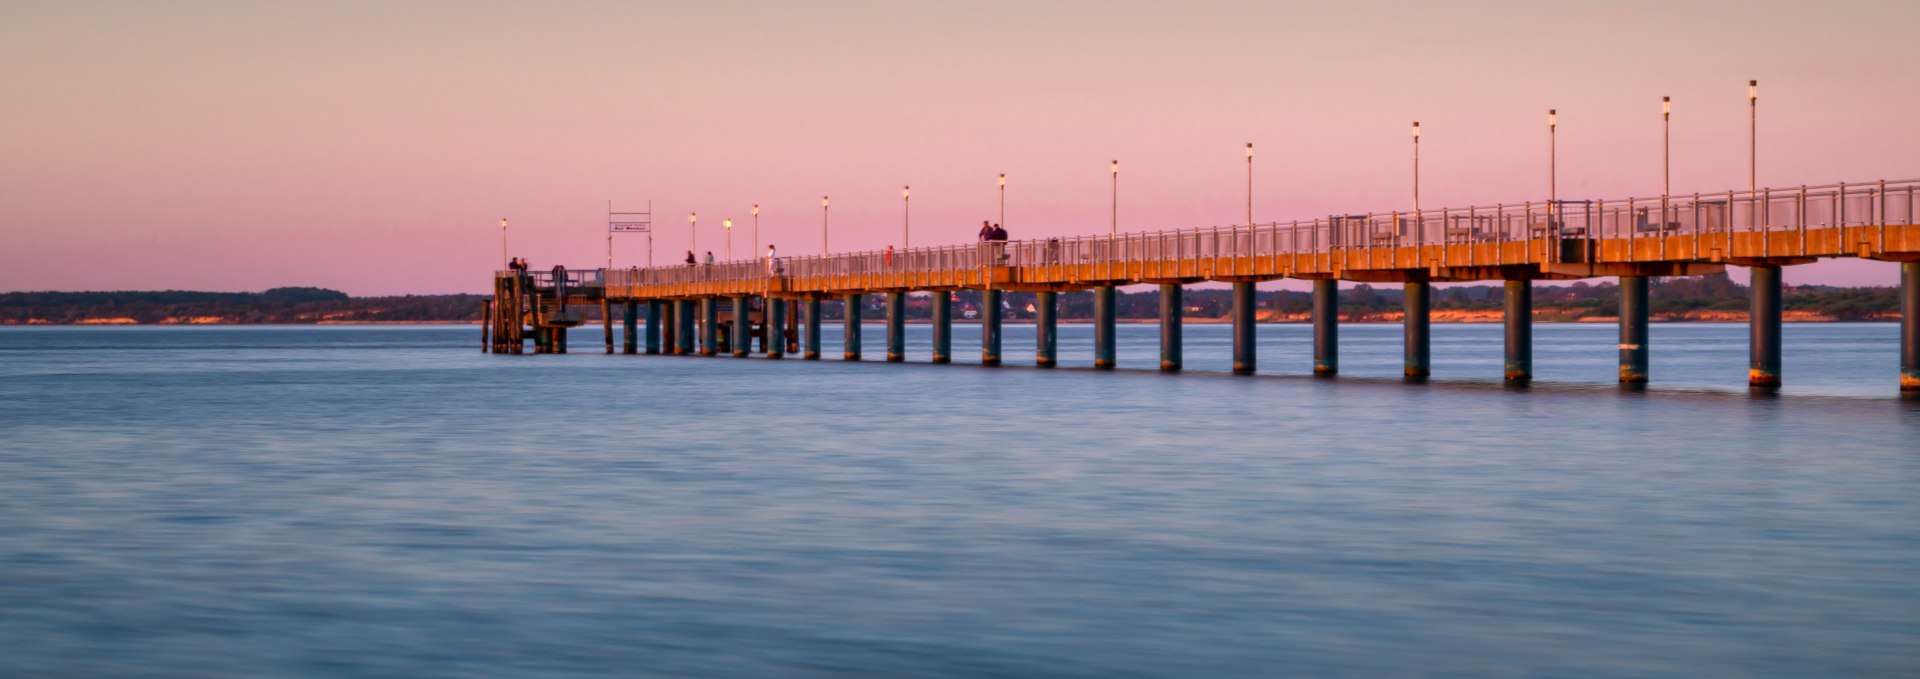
(1710, 298)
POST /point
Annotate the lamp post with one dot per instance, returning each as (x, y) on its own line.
(503, 243)
(1753, 131)
(1249, 185)
(727, 224)
(823, 226)
(906, 218)
(756, 227)
(693, 235)
(1666, 155)
(1417, 233)
(1114, 230)
(1553, 166)
(1003, 200)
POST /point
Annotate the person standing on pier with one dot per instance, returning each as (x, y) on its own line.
(709, 258)
(690, 260)
(773, 260)
(986, 231)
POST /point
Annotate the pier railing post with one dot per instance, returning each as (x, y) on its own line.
(850, 338)
(1103, 327)
(942, 326)
(1519, 322)
(1326, 327)
(896, 326)
(990, 327)
(1171, 305)
(1243, 328)
(1046, 330)
(1634, 316)
(1763, 324)
(1417, 323)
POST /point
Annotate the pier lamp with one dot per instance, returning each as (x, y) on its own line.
(1666, 151)
(1553, 165)
(756, 227)
(727, 224)
(693, 236)
(503, 243)
(1003, 199)
(1114, 230)
(823, 226)
(1753, 134)
(1416, 169)
(1249, 185)
(906, 219)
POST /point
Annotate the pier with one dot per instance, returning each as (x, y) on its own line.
(1631, 239)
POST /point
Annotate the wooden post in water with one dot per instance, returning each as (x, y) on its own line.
(606, 319)
(486, 325)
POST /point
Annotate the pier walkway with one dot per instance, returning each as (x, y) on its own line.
(1631, 239)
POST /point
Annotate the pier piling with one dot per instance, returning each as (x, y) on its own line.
(1763, 324)
(1326, 327)
(1910, 329)
(1634, 316)
(813, 330)
(1243, 328)
(629, 333)
(653, 326)
(942, 326)
(1046, 328)
(776, 323)
(709, 326)
(1418, 325)
(1519, 322)
(990, 327)
(850, 337)
(896, 327)
(683, 320)
(1103, 327)
(1170, 328)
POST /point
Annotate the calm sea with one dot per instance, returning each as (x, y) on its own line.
(390, 502)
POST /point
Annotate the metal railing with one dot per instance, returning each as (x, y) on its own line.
(1866, 204)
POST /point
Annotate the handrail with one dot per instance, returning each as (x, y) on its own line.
(1839, 204)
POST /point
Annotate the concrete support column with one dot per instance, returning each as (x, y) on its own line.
(896, 327)
(942, 327)
(683, 317)
(850, 339)
(653, 326)
(1418, 324)
(1910, 328)
(776, 327)
(1763, 323)
(1103, 327)
(540, 339)
(670, 327)
(1171, 305)
(740, 336)
(1633, 329)
(813, 330)
(1326, 328)
(1243, 328)
(709, 326)
(1519, 320)
(629, 335)
(990, 327)
(558, 339)
(1046, 328)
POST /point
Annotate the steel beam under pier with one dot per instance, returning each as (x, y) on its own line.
(1519, 321)
(1418, 323)
(1243, 329)
(1633, 329)
(709, 326)
(1910, 329)
(850, 338)
(1763, 324)
(740, 336)
(1170, 330)
(683, 318)
(1326, 327)
(629, 335)
(653, 326)
(942, 327)
(990, 327)
(813, 331)
(776, 328)
(896, 327)
(1103, 327)
(1046, 328)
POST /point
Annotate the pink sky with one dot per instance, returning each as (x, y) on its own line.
(373, 147)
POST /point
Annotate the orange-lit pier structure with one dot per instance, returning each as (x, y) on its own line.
(701, 308)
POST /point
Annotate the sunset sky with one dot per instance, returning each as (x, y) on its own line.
(372, 147)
